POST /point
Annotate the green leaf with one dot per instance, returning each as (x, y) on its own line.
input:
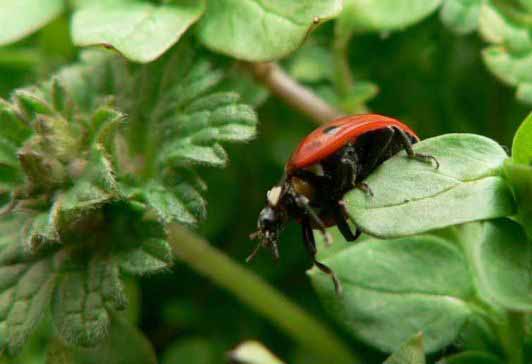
(497, 28)
(471, 357)
(522, 144)
(140, 31)
(461, 16)
(376, 15)
(279, 26)
(520, 179)
(167, 205)
(23, 17)
(411, 352)
(80, 200)
(513, 69)
(253, 352)
(12, 128)
(85, 299)
(153, 255)
(25, 292)
(394, 289)
(412, 197)
(501, 260)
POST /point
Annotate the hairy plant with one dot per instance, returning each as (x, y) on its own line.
(96, 162)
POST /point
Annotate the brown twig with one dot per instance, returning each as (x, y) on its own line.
(290, 91)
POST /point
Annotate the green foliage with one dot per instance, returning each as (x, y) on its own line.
(447, 282)
(140, 31)
(35, 15)
(461, 15)
(507, 27)
(414, 197)
(87, 208)
(100, 165)
(374, 15)
(279, 28)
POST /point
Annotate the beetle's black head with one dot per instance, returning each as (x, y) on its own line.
(270, 223)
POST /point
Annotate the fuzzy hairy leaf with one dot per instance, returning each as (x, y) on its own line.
(25, 293)
(278, 27)
(167, 205)
(140, 31)
(151, 256)
(84, 300)
(36, 14)
(413, 197)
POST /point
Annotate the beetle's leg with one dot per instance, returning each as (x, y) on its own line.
(363, 186)
(310, 244)
(302, 203)
(347, 168)
(343, 226)
(407, 144)
(380, 155)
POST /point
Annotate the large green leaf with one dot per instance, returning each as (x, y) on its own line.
(382, 15)
(394, 289)
(501, 261)
(140, 31)
(411, 352)
(411, 197)
(461, 15)
(258, 30)
(522, 144)
(23, 17)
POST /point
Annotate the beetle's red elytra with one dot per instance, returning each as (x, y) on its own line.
(329, 138)
(330, 161)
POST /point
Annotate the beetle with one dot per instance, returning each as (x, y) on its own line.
(330, 161)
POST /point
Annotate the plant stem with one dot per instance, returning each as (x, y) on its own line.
(293, 93)
(511, 333)
(259, 295)
(343, 77)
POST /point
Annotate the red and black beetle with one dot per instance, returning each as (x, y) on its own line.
(330, 161)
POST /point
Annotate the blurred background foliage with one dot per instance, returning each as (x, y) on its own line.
(426, 75)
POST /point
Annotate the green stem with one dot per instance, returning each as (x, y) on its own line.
(512, 333)
(259, 295)
(343, 77)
